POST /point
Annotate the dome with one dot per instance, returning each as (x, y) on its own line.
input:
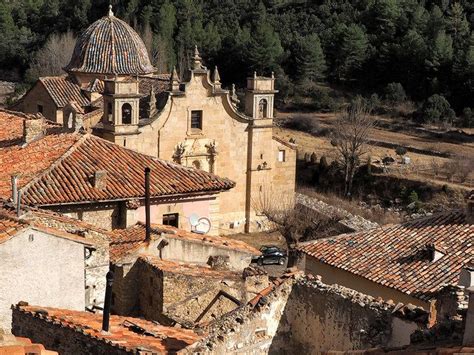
(110, 46)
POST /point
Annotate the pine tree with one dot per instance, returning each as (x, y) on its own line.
(310, 60)
(352, 52)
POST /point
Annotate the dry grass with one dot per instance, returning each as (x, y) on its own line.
(259, 239)
(379, 216)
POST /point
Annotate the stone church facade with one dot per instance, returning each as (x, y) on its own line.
(117, 95)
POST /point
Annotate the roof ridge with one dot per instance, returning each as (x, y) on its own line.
(58, 161)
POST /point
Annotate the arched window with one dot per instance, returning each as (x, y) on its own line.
(196, 164)
(126, 114)
(262, 108)
(109, 111)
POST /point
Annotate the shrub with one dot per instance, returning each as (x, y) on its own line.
(303, 123)
(395, 93)
(374, 102)
(467, 118)
(437, 109)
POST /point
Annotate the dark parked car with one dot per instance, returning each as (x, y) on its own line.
(271, 255)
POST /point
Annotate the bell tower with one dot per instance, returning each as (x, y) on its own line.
(259, 96)
(121, 109)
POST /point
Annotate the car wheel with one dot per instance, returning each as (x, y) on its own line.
(260, 262)
(281, 261)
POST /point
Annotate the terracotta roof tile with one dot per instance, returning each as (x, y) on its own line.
(396, 255)
(127, 240)
(10, 227)
(124, 332)
(58, 169)
(175, 267)
(110, 46)
(63, 89)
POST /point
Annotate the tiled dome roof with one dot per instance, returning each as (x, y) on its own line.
(110, 46)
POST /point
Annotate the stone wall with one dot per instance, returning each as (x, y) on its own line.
(41, 269)
(319, 317)
(39, 96)
(469, 324)
(306, 316)
(64, 340)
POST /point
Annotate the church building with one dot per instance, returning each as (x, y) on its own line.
(112, 90)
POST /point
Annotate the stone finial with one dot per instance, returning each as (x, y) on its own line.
(197, 58)
(216, 78)
(174, 82)
(233, 96)
(273, 75)
(152, 103)
(111, 13)
(255, 75)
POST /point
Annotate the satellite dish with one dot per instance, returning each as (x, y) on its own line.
(194, 220)
(203, 226)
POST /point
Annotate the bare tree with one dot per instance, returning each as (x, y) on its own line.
(350, 136)
(55, 54)
(295, 222)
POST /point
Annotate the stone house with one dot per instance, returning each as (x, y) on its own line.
(94, 180)
(112, 90)
(176, 274)
(412, 262)
(40, 264)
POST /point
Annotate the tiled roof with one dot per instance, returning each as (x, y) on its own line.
(31, 160)
(127, 240)
(110, 46)
(10, 226)
(125, 333)
(396, 256)
(11, 126)
(95, 85)
(187, 268)
(12, 345)
(63, 89)
(159, 82)
(58, 168)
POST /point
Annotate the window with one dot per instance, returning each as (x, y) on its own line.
(196, 164)
(262, 108)
(40, 108)
(196, 119)
(109, 111)
(126, 114)
(281, 155)
(171, 219)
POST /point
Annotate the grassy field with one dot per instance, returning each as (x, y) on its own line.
(388, 131)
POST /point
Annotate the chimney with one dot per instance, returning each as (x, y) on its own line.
(435, 251)
(466, 277)
(14, 180)
(470, 208)
(108, 301)
(32, 129)
(147, 205)
(99, 179)
(468, 339)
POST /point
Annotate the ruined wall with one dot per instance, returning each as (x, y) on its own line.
(64, 340)
(40, 269)
(469, 325)
(318, 317)
(107, 216)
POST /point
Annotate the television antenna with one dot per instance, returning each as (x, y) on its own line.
(200, 225)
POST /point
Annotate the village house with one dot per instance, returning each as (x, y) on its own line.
(179, 276)
(41, 265)
(112, 90)
(94, 180)
(294, 314)
(411, 262)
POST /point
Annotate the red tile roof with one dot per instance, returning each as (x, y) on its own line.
(127, 240)
(20, 346)
(124, 333)
(396, 255)
(195, 270)
(58, 169)
(63, 89)
(11, 226)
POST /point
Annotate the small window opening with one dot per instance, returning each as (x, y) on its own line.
(262, 108)
(171, 219)
(281, 155)
(196, 120)
(126, 114)
(196, 164)
(40, 108)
